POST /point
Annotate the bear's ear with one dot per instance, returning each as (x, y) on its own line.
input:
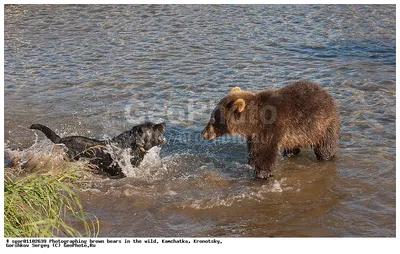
(239, 105)
(235, 89)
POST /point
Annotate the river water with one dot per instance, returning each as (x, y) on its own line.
(98, 70)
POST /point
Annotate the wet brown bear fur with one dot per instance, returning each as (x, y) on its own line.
(297, 115)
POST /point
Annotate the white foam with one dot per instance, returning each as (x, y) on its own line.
(171, 193)
(150, 168)
(267, 188)
(227, 201)
(276, 187)
(152, 158)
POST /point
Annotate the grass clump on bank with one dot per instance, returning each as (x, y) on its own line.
(45, 205)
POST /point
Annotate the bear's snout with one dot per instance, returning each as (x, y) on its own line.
(208, 133)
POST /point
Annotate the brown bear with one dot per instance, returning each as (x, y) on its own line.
(297, 115)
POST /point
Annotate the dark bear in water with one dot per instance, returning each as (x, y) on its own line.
(139, 140)
(297, 115)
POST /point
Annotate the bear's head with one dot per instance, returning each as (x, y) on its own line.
(229, 116)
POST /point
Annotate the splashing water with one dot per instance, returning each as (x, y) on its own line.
(150, 168)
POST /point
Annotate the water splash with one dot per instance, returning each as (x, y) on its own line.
(151, 168)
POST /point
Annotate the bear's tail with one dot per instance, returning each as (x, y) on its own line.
(48, 132)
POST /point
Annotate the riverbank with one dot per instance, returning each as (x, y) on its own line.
(45, 204)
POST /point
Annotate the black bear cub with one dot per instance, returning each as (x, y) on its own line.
(297, 115)
(138, 140)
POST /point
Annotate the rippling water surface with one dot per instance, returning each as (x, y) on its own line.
(98, 70)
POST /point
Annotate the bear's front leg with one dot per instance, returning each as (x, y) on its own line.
(263, 156)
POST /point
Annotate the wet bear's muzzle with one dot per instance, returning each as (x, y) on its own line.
(208, 133)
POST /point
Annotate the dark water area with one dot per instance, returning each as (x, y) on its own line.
(98, 70)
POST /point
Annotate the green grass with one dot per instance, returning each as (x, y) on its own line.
(46, 205)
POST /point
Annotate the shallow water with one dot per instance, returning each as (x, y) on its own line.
(98, 70)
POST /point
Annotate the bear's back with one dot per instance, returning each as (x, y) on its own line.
(304, 111)
(303, 98)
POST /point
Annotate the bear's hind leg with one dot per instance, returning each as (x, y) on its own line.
(326, 149)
